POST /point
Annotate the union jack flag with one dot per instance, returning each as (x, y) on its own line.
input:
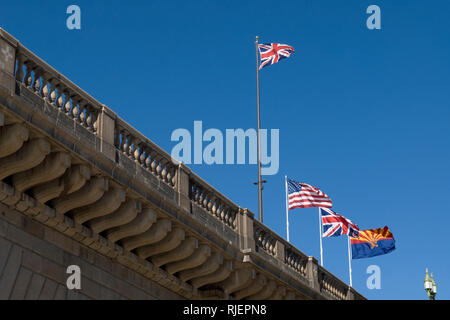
(336, 225)
(271, 53)
(302, 195)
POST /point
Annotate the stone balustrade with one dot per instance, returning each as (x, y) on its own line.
(144, 152)
(56, 89)
(212, 201)
(71, 163)
(332, 286)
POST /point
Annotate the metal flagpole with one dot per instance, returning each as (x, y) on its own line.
(349, 260)
(260, 185)
(287, 209)
(320, 234)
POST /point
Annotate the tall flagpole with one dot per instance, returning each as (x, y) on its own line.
(287, 209)
(320, 235)
(349, 260)
(260, 185)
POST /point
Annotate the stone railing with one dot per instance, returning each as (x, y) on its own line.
(296, 259)
(123, 153)
(276, 246)
(57, 90)
(331, 285)
(212, 201)
(140, 149)
(265, 238)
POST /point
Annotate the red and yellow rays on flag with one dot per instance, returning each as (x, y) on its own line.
(372, 242)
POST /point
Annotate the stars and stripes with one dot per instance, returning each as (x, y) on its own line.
(336, 225)
(302, 195)
(271, 53)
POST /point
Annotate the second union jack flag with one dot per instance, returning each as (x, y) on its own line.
(336, 225)
(271, 53)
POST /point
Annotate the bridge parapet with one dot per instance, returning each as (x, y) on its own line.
(98, 180)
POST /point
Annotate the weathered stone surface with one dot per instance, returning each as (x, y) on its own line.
(21, 285)
(184, 250)
(73, 179)
(29, 156)
(140, 224)
(279, 293)
(52, 167)
(290, 295)
(219, 275)
(256, 286)
(87, 195)
(211, 265)
(123, 215)
(238, 280)
(265, 293)
(48, 191)
(156, 233)
(109, 202)
(197, 258)
(170, 242)
(10, 272)
(12, 138)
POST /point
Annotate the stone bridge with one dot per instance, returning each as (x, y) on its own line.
(80, 186)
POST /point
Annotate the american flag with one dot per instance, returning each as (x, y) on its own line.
(302, 195)
(271, 53)
(336, 225)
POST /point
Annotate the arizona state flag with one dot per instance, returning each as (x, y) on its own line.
(372, 242)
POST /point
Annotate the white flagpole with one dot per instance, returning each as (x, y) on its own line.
(287, 208)
(349, 260)
(320, 235)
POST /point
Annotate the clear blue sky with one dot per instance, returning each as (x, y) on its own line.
(364, 115)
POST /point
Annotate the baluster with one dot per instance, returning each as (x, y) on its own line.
(132, 148)
(148, 159)
(196, 194)
(82, 118)
(214, 206)
(170, 174)
(154, 164)
(75, 108)
(122, 140)
(117, 138)
(95, 120)
(45, 88)
(137, 152)
(60, 100)
(89, 118)
(67, 105)
(205, 199)
(37, 81)
(19, 71)
(230, 219)
(142, 155)
(164, 170)
(126, 143)
(52, 96)
(200, 197)
(219, 211)
(28, 79)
